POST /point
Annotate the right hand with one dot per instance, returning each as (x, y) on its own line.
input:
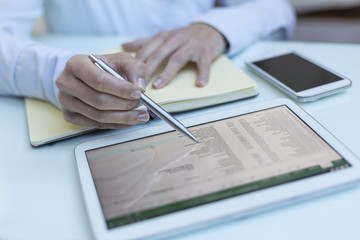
(94, 98)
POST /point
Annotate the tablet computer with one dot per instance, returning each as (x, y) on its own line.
(157, 182)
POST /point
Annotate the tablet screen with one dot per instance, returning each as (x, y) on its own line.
(165, 173)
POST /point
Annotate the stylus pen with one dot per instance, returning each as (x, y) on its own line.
(155, 108)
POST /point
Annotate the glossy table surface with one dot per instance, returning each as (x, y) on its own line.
(40, 195)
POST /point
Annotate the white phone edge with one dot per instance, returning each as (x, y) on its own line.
(311, 94)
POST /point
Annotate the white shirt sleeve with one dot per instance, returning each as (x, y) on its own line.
(242, 22)
(27, 68)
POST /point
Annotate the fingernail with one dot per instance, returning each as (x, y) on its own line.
(143, 117)
(141, 83)
(202, 82)
(157, 82)
(136, 94)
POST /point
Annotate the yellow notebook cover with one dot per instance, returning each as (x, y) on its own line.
(227, 83)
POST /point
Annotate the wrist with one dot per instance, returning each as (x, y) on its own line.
(217, 39)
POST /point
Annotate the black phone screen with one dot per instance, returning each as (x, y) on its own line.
(296, 72)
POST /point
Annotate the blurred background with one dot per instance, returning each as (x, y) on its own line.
(318, 20)
(327, 20)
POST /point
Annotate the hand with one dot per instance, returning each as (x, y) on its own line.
(94, 98)
(197, 43)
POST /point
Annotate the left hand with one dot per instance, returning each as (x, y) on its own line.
(197, 43)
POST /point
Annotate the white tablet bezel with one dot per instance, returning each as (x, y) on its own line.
(223, 209)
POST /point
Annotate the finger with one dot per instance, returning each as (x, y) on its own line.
(164, 52)
(99, 100)
(151, 45)
(134, 46)
(128, 67)
(80, 120)
(82, 68)
(203, 65)
(73, 105)
(176, 62)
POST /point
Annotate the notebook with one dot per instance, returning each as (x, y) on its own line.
(227, 83)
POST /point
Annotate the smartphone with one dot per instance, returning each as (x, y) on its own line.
(299, 77)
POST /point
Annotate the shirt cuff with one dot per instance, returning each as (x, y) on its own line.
(37, 70)
(248, 22)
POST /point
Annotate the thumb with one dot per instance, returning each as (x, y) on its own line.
(134, 46)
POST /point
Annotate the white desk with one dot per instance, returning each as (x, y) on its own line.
(40, 196)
